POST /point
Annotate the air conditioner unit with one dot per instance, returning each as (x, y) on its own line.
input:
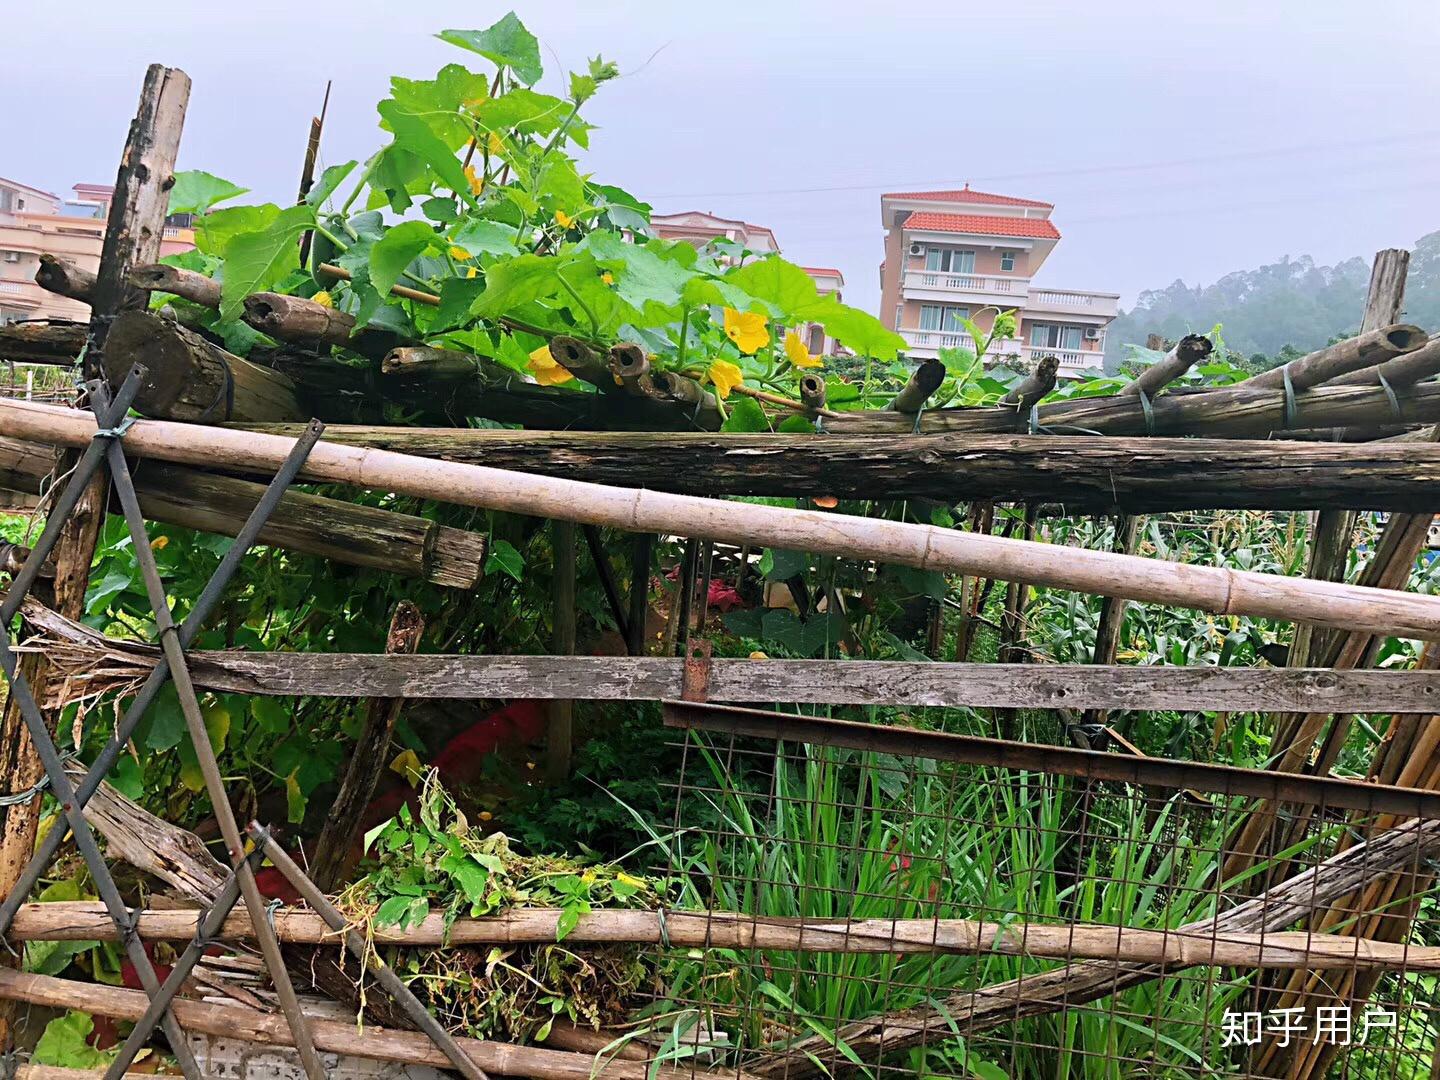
(917, 248)
(1094, 333)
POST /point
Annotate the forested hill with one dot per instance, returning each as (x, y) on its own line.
(1292, 302)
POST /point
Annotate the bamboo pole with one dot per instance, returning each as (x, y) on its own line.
(1375, 345)
(86, 920)
(1248, 409)
(1190, 351)
(924, 547)
(375, 1043)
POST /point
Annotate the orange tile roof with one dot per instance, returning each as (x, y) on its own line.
(829, 271)
(983, 224)
(965, 195)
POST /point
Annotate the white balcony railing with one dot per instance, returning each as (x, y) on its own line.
(1068, 300)
(1013, 288)
(927, 343)
(12, 287)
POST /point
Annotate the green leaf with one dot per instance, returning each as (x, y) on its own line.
(506, 559)
(509, 283)
(255, 261)
(642, 275)
(776, 282)
(167, 722)
(523, 112)
(415, 137)
(195, 191)
(456, 297)
(855, 329)
(215, 231)
(806, 638)
(440, 210)
(569, 918)
(392, 911)
(796, 424)
(65, 1043)
(394, 251)
(778, 564)
(271, 714)
(506, 44)
(438, 101)
(746, 415)
(330, 179)
(480, 237)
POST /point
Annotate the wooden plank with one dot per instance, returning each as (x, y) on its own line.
(824, 682)
(1084, 473)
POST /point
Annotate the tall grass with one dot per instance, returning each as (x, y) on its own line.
(823, 833)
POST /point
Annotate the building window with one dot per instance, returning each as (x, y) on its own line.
(19, 204)
(1051, 336)
(12, 256)
(950, 261)
(943, 317)
(817, 339)
(1007, 260)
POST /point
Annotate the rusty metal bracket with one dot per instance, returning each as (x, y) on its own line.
(695, 681)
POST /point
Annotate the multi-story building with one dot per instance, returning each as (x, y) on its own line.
(35, 222)
(702, 228)
(970, 254)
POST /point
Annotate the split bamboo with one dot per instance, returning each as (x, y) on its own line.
(925, 547)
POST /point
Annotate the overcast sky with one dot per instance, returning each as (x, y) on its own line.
(1176, 141)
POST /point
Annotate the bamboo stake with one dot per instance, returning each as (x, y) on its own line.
(924, 547)
(1374, 346)
(1190, 351)
(86, 920)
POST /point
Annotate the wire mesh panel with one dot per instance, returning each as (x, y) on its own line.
(887, 912)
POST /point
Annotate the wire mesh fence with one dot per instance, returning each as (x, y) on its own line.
(966, 920)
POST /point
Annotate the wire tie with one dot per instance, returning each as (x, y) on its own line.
(116, 432)
(226, 393)
(1148, 410)
(271, 908)
(1390, 393)
(664, 928)
(1290, 408)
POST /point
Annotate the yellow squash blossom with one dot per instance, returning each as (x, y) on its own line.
(564, 219)
(476, 181)
(798, 354)
(459, 254)
(726, 376)
(471, 272)
(548, 372)
(324, 299)
(160, 543)
(746, 329)
(608, 278)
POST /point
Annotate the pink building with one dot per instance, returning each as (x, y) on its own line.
(702, 228)
(35, 222)
(954, 254)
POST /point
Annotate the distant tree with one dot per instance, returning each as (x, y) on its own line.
(1290, 305)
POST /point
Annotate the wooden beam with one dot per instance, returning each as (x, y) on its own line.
(1086, 474)
(344, 532)
(831, 682)
(57, 344)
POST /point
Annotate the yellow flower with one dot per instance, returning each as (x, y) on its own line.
(564, 219)
(324, 299)
(160, 543)
(547, 371)
(746, 329)
(475, 180)
(608, 278)
(726, 376)
(626, 879)
(471, 272)
(459, 253)
(486, 815)
(798, 354)
(495, 144)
